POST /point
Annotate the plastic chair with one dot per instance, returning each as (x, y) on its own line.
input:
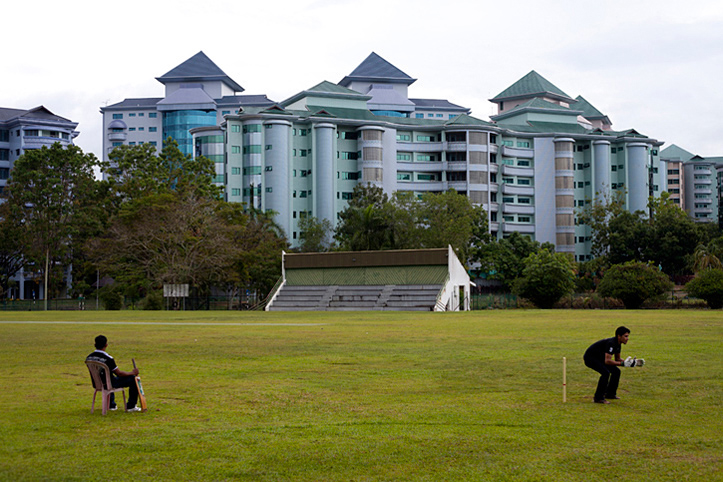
(98, 371)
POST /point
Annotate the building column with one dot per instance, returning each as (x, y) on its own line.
(277, 135)
(323, 175)
(637, 182)
(601, 164)
(564, 195)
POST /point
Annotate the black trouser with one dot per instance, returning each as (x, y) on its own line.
(607, 386)
(129, 382)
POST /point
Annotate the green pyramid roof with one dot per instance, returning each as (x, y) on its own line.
(675, 152)
(531, 85)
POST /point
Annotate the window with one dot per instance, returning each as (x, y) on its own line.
(347, 155)
(252, 149)
(269, 168)
(235, 192)
(235, 128)
(117, 116)
(302, 152)
(508, 199)
(269, 189)
(523, 144)
(348, 176)
(153, 129)
(404, 156)
(429, 177)
(268, 147)
(131, 114)
(404, 137)
(252, 170)
(440, 115)
(225, 112)
(419, 116)
(235, 171)
(508, 143)
(346, 196)
(523, 182)
(235, 149)
(426, 158)
(141, 128)
(523, 219)
(153, 115)
(429, 138)
(251, 128)
(404, 176)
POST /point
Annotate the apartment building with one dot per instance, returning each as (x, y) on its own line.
(22, 130)
(533, 166)
(697, 181)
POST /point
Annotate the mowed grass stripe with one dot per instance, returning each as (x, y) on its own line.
(365, 396)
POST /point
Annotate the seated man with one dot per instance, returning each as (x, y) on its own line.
(118, 377)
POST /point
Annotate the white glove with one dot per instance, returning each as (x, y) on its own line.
(629, 362)
(640, 362)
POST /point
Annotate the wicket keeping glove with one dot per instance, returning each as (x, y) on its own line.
(629, 362)
(640, 362)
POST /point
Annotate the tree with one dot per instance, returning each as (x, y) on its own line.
(315, 235)
(504, 259)
(672, 237)
(11, 247)
(168, 238)
(138, 171)
(633, 283)
(704, 259)
(364, 224)
(54, 192)
(546, 278)
(450, 219)
(708, 285)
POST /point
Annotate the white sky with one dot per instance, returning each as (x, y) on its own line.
(655, 66)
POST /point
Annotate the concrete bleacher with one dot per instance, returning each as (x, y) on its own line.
(356, 298)
(400, 280)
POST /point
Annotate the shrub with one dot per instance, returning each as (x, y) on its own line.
(633, 283)
(112, 298)
(154, 301)
(708, 286)
(546, 278)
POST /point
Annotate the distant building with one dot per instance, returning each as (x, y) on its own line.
(22, 130)
(197, 94)
(541, 159)
(699, 185)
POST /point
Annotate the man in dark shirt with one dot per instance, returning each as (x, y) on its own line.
(604, 357)
(118, 377)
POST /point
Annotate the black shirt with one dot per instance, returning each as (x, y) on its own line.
(103, 357)
(597, 350)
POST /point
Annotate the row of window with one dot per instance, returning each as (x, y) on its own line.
(512, 218)
(140, 129)
(152, 115)
(523, 144)
(153, 143)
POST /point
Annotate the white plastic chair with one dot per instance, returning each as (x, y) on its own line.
(98, 371)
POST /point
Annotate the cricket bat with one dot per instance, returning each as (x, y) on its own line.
(141, 395)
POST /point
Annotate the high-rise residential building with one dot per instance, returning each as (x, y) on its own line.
(698, 183)
(22, 130)
(197, 94)
(542, 158)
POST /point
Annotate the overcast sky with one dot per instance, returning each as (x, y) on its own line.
(655, 66)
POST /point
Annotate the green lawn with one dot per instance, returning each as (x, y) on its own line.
(363, 396)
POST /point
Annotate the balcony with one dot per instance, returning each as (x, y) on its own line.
(508, 208)
(514, 189)
(117, 136)
(454, 146)
(517, 171)
(524, 153)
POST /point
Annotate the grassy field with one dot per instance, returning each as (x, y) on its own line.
(362, 397)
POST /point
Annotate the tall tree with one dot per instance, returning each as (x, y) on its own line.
(54, 191)
(546, 278)
(168, 238)
(11, 247)
(315, 235)
(672, 238)
(137, 171)
(365, 225)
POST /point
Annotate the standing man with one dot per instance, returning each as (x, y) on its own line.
(604, 357)
(118, 377)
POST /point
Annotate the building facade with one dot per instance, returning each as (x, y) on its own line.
(197, 94)
(540, 160)
(698, 184)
